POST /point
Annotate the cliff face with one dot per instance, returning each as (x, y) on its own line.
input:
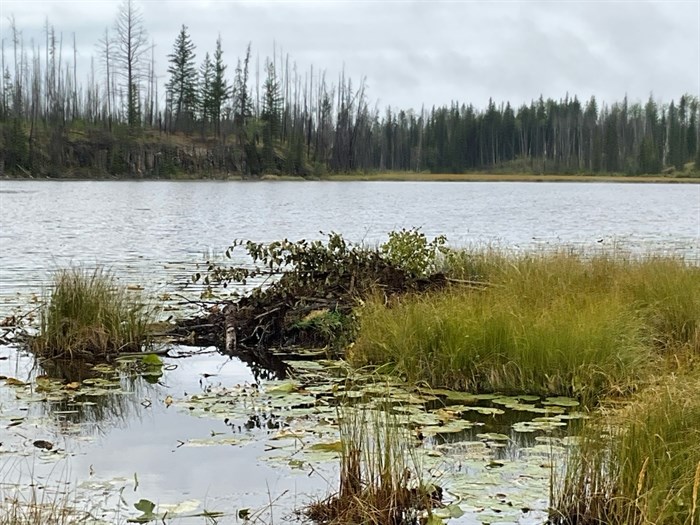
(103, 154)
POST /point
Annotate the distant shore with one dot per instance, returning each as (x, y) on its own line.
(402, 177)
(507, 177)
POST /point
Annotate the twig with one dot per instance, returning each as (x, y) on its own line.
(467, 282)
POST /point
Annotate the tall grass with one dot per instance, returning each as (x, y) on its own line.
(555, 323)
(380, 481)
(87, 314)
(639, 465)
(15, 511)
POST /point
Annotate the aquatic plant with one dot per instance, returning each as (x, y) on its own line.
(380, 480)
(639, 464)
(87, 314)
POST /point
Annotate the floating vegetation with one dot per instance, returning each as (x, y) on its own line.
(469, 451)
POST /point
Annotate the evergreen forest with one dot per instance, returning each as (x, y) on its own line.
(216, 116)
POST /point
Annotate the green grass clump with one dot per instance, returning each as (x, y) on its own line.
(380, 478)
(547, 323)
(638, 465)
(88, 315)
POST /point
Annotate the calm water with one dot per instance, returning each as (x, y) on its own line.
(155, 233)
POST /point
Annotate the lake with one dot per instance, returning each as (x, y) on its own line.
(132, 443)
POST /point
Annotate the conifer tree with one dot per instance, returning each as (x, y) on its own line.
(206, 73)
(182, 86)
(219, 90)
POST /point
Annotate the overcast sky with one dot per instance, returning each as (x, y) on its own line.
(421, 52)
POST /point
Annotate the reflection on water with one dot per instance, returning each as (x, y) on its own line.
(105, 440)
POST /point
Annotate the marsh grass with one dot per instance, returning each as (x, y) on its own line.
(380, 475)
(37, 501)
(547, 323)
(16, 511)
(639, 464)
(87, 314)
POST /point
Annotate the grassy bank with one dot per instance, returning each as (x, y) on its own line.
(639, 464)
(555, 324)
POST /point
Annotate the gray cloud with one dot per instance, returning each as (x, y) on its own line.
(415, 53)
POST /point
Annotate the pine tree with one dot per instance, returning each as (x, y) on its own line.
(272, 104)
(182, 86)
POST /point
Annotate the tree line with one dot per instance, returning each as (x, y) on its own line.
(269, 117)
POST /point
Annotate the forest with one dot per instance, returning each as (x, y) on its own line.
(247, 117)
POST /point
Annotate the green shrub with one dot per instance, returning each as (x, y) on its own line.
(86, 314)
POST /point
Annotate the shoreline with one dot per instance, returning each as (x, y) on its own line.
(397, 177)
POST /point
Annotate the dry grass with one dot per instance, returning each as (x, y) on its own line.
(502, 177)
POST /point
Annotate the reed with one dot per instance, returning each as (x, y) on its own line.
(87, 314)
(637, 465)
(380, 481)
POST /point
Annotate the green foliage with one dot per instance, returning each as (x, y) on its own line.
(306, 260)
(182, 86)
(328, 325)
(86, 314)
(637, 465)
(411, 251)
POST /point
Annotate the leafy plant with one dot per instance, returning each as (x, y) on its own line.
(411, 251)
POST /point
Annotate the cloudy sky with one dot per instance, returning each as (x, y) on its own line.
(421, 52)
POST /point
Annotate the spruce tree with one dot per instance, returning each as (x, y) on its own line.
(206, 73)
(182, 86)
(219, 90)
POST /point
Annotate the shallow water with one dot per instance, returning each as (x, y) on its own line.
(130, 446)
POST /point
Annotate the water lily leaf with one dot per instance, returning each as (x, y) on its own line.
(151, 360)
(493, 436)
(449, 511)
(488, 411)
(424, 419)
(146, 507)
(281, 387)
(451, 427)
(12, 381)
(462, 397)
(434, 519)
(43, 444)
(561, 401)
(176, 509)
(335, 446)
